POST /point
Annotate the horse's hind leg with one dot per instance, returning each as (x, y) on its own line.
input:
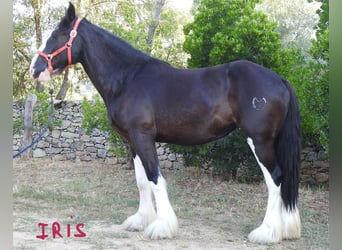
(271, 229)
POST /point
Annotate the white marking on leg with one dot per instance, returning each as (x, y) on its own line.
(166, 224)
(292, 224)
(271, 229)
(146, 212)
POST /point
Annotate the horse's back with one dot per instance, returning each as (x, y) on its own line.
(255, 80)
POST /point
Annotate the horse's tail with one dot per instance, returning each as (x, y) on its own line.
(288, 150)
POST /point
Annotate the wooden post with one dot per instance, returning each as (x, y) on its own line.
(28, 120)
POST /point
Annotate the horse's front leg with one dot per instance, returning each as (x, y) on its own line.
(166, 224)
(150, 181)
(146, 212)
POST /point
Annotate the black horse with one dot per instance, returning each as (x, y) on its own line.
(148, 100)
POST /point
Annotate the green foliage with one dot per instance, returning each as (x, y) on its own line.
(313, 93)
(95, 116)
(311, 82)
(42, 110)
(18, 125)
(215, 26)
(313, 86)
(22, 82)
(320, 46)
(224, 155)
(224, 31)
(295, 20)
(131, 23)
(124, 24)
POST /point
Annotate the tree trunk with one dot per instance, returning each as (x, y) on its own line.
(37, 5)
(28, 120)
(154, 24)
(65, 86)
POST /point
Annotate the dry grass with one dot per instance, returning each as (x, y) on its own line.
(212, 214)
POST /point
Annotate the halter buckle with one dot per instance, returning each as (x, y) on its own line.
(73, 33)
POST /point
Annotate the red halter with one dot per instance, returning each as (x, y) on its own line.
(67, 46)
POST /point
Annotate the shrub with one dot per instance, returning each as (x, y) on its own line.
(224, 155)
(95, 116)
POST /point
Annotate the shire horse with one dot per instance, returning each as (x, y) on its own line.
(148, 100)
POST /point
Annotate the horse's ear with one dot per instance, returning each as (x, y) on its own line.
(70, 13)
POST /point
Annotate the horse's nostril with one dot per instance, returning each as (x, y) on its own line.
(33, 72)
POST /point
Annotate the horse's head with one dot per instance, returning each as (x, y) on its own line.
(60, 50)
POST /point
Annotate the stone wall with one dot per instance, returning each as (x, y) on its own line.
(69, 142)
(314, 166)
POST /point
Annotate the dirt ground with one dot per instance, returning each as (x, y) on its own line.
(212, 213)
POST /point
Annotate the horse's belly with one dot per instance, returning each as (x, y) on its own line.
(195, 134)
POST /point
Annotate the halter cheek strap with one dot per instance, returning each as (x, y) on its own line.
(67, 46)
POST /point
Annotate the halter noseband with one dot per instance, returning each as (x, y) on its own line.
(67, 46)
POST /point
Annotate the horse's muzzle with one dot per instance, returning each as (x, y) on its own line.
(43, 76)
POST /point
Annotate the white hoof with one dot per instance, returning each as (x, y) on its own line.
(162, 228)
(137, 222)
(265, 234)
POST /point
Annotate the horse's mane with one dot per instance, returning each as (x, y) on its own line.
(123, 46)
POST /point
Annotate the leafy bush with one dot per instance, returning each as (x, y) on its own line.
(42, 111)
(224, 155)
(95, 116)
(315, 91)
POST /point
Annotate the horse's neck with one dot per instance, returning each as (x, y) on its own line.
(106, 60)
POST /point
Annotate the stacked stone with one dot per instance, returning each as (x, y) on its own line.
(168, 159)
(314, 166)
(18, 110)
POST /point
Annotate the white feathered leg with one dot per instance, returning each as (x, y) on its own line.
(146, 212)
(271, 229)
(166, 224)
(292, 224)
